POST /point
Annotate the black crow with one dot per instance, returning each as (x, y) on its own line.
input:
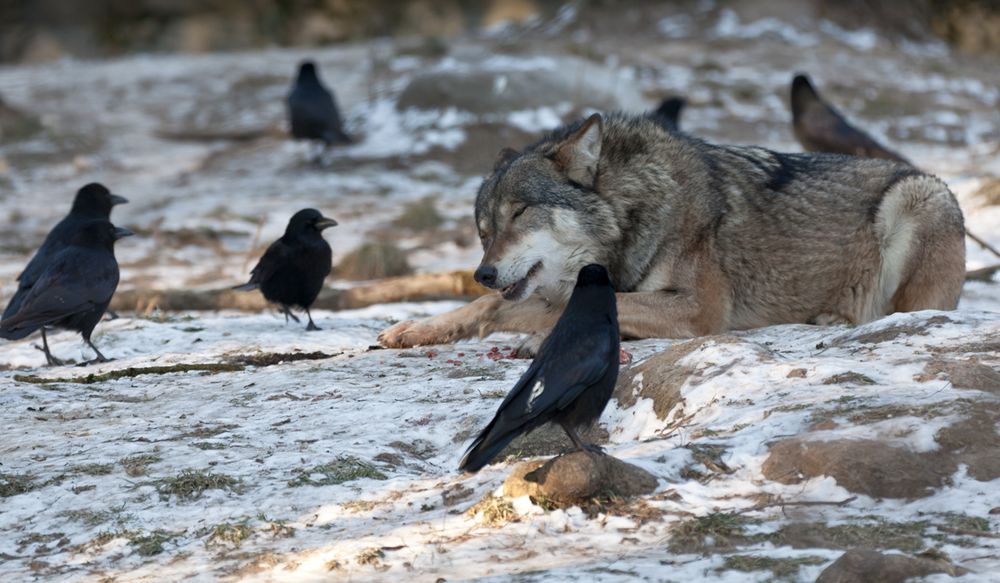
(74, 288)
(669, 112)
(821, 128)
(293, 268)
(572, 377)
(312, 109)
(93, 201)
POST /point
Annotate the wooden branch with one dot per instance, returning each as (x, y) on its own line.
(453, 285)
(983, 243)
(983, 274)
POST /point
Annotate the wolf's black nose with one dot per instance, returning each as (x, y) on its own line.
(486, 275)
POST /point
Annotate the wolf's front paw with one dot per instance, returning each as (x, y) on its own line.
(412, 333)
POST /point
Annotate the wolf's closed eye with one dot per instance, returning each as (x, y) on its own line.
(519, 212)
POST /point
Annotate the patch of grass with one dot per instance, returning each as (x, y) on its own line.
(872, 532)
(14, 484)
(135, 465)
(374, 261)
(145, 544)
(191, 484)
(90, 517)
(205, 445)
(725, 529)
(343, 469)
(150, 544)
(131, 372)
(93, 469)
(849, 378)
(229, 534)
(372, 556)
(782, 568)
(360, 505)
(419, 216)
(964, 521)
(496, 510)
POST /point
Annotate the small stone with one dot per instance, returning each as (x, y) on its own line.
(579, 476)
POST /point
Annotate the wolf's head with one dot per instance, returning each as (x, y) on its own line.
(541, 216)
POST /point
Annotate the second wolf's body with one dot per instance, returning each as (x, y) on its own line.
(701, 238)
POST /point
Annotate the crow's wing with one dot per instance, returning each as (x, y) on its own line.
(278, 254)
(575, 358)
(73, 282)
(571, 359)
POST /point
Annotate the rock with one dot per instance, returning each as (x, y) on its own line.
(661, 377)
(572, 82)
(974, 441)
(962, 374)
(577, 477)
(861, 466)
(862, 566)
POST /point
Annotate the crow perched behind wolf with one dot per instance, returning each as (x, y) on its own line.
(74, 288)
(572, 378)
(292, 270)
(819, 127)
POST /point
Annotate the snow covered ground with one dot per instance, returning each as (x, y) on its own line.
(262, 452)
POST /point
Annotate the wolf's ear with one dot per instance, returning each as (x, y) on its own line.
(578, 155)
(505, 155)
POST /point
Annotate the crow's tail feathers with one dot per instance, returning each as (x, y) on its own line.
(247, 286)
(10, 331)
(483, 450)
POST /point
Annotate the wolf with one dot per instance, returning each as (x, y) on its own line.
(701, 238)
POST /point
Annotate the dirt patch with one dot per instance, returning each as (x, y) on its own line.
(579, 476)
(864, 566)
(876, 533)
(861, 466)
(712, 532)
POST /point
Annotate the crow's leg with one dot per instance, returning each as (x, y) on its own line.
(288, 314)
(112, 315)
(51, 360)
(579, 443)
(100, 357)
(312, 325)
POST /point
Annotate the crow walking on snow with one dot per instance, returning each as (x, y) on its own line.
(73, 289)
(292, 270)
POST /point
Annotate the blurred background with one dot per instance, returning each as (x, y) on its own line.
(179, 106)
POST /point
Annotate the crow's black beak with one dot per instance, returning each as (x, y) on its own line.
(325, 223)
(115, 199)
(122, 232)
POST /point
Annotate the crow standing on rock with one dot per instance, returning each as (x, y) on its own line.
(821, 128)
(293, 268)
(312, 109)
(572, 377)
(73, 289)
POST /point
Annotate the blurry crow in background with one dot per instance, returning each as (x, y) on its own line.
(93, 201)
(668, 114)
(293, 268)
(312, 110)
(820, 128)
(572, 378)
(74, 287)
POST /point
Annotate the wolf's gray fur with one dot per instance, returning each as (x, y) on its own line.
(701, 238)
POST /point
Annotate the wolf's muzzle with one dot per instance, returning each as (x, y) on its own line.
(486, 275)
